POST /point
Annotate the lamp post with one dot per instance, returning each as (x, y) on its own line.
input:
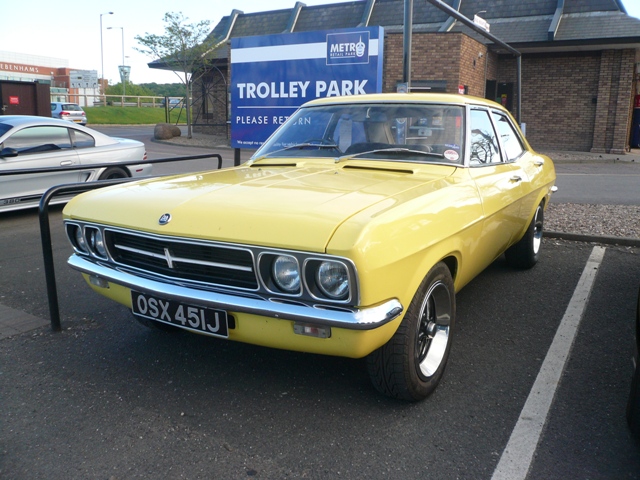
(102, 49)
(124, 90)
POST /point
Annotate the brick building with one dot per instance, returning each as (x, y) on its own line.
(66, 84)
(579, 60)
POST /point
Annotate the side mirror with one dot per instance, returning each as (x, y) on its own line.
(8, 152)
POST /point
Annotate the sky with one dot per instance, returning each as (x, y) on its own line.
(71, 30)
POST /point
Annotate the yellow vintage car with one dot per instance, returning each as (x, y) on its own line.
(348, 233)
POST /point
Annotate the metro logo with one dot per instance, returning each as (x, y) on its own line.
(348, 48)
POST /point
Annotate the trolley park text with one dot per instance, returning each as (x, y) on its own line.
(297, 89)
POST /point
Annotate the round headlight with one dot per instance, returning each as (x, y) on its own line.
(333, 280)
(96, 242)
(79, 238)
(286, 273)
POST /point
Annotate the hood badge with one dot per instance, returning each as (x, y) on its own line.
(164, 219)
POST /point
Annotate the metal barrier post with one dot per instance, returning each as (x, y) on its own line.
(49, 269)
(45, 228)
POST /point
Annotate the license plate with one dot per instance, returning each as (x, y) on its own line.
(200, 319)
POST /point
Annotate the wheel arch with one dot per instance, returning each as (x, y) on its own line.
(100, 172)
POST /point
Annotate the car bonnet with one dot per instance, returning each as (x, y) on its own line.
(287, 207)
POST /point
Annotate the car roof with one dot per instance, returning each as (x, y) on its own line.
(32, 120)
(24, 121)
(448, 98)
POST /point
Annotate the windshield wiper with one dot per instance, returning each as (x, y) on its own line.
(394, 151)
(301, 146)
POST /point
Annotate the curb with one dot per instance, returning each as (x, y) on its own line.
(607, 240)
(169, 142)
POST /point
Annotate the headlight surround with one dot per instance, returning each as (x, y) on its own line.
(285, 271)
(332, 279)
(77, 238)
(95, 241)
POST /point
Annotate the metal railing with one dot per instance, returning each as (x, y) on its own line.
(89, 100)
(76, 188)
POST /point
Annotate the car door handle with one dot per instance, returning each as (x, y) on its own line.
(516, 178)
(64, 163)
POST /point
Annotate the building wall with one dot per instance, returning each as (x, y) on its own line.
(570, 101)
(575, 101)
(454, 57)
(580, 101)
(614, 103)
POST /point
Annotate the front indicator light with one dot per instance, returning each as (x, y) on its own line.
(286, 273)
(333, 280)
(98, 281)
(312, 330)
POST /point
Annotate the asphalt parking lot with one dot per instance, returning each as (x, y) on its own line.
(108, 398)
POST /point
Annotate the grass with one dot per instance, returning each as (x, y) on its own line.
(132, 115)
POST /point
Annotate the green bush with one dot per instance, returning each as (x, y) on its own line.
(132, 115)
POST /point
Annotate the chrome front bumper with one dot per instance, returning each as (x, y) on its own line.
(367, 318)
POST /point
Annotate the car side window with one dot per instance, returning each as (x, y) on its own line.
(484, 141)
(39, 139)
(81, 139)
(511, 142)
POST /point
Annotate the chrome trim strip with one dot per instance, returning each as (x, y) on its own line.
(172, 258)
(356, 319)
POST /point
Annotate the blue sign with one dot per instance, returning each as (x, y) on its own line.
(272, 75)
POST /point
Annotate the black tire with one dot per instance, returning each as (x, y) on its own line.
(112, 173)
(411, 364)
(633, 404)
(165, 327)
(524, 254)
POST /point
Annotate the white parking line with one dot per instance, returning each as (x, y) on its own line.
(516, 459)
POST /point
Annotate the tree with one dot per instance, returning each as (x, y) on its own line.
(133, 90)
(186, 48)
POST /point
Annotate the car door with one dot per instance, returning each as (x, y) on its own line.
(36, 147)
(532, 165)
(499, 183)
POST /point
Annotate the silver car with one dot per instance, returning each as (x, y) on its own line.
(71, 112)
(29, 142)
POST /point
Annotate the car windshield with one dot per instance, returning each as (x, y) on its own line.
(389, 131)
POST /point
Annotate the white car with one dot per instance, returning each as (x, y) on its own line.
(30, 142)
(71, 112)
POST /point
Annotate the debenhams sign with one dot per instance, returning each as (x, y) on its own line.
(16, 67)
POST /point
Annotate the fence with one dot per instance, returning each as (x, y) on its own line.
(87, 100)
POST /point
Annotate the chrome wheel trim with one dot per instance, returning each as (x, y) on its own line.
(433, 329)
(537, 230)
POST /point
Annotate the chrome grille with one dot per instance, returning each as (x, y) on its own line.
(183, 259)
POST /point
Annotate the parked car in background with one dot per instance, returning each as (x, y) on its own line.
(71, 112)
(28, 142)
(173, 101)
(633, 404)
(348, 233)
